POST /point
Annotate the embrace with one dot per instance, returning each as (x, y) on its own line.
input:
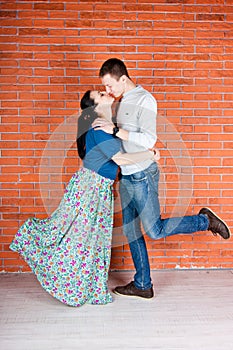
(70, 251)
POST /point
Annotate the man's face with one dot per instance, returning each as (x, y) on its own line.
(113, 86)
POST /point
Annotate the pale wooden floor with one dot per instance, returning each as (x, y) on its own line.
(191, 310)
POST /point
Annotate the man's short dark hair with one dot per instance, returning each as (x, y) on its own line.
(114, 67)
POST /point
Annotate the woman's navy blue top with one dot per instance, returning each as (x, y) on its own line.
(100, 148)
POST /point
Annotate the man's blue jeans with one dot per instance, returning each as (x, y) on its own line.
(140, 203)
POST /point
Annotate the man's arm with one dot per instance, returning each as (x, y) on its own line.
(146, 137)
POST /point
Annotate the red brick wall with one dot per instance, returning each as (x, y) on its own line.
(181, 51)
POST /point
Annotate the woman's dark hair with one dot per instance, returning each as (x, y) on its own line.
(114, 67)
(85, 120)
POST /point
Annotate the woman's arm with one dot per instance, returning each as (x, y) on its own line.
(110, 146)
(107, 126)
(133, 158)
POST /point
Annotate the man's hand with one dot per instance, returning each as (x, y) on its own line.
(104, 125)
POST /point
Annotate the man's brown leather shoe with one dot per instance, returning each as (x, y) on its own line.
(216, 225)
(132, 291)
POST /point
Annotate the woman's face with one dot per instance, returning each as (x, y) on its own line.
(101, 98)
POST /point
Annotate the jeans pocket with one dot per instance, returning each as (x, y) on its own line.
(153, 170)
(155, 173)
(139, 176)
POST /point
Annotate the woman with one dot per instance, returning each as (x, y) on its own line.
(70, 250)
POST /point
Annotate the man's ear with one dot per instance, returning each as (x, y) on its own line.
(123, 78)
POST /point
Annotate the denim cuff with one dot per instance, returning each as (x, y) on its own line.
(203, 223)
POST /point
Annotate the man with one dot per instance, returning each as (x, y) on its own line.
(136, 127)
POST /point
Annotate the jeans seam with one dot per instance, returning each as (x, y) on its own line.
(142, 265)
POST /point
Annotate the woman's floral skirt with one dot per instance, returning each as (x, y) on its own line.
(70, 250)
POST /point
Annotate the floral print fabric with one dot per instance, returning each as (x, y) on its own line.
(70, 250)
